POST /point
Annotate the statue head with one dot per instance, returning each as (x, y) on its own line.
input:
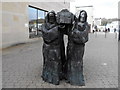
(51, 17)
(82, 16)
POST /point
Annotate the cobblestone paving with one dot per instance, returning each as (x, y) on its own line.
(22, 64)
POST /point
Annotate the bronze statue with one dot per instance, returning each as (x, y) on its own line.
(57, 65)
(51, 50)
(64, 20)
(77, 38)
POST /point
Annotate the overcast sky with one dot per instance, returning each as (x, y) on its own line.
(101, 8)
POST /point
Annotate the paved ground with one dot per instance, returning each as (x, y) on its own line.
(22, 64)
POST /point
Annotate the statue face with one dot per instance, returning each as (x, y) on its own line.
(82, 19)
(51, 18)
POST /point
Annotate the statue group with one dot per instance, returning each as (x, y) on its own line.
(56, 64)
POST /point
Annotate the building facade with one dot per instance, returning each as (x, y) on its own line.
(119, 18)
(19, 17)
(119, 13)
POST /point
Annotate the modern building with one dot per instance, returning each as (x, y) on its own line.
(119, 12)
(97, 21)
(119, 18)
(76, 7)
(113, 25)
(21, 19)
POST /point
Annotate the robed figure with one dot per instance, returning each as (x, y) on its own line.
(77, 38)
(51, 50)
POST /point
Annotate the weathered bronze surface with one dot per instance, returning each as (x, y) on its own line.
(57, 65)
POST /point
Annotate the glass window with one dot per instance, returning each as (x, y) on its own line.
(45, 13)
(36, 19)
(41, 18)
(32, 21)
(32, 13)
(41, 14)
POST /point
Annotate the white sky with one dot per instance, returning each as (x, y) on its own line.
(101, 8)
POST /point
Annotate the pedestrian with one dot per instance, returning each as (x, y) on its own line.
(108, 29)
(115, 31)
(105, 32)
(93, 31)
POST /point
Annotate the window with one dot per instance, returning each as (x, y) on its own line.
(41, 17)
(36, 19)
